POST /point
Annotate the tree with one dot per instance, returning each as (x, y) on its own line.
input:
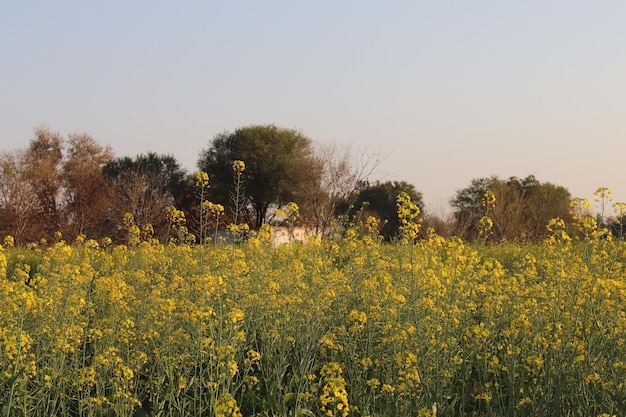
(86, 192)
(467, 208)
(277, 161)
(18, 205)
(44, 157)
(379, 200)
(333, 177)
(32, 187)
(145, 186)
(522, 209)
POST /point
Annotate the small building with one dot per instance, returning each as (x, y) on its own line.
(284, 234)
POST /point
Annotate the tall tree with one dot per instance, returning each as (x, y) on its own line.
(44, 157)
(277, 161)
(18, 205)
(145, 186)
(522, 209)
(335, 174)
(87, 194)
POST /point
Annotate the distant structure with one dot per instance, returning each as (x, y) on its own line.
(284, 234)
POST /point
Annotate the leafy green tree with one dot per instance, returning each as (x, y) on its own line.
(467, 208)
(278, 162)
(379, 200)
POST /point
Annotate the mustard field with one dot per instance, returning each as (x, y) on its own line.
(352, 327)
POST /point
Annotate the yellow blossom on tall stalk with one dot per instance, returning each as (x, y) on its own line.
(603, 198)
(408, 214)
(133, 232)
(9, 241)
(177, 223)
(3, 263)
(292, 210)
(288, 216)
(147, 232)
(202, 180)
(581, 209)
(237, 197)
(488, 201)
(239, 166)
(556, 227)
(485, 224)
(202, 184)
(214, 212)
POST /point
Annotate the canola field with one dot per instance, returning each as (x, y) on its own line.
(352, 327)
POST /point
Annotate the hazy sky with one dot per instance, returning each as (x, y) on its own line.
(446, 90)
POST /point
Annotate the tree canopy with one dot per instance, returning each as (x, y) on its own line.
(522, 209)
(379, 200)
(145, 186)
(278, 162)
(73, 185)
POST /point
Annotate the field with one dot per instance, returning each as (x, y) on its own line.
(352, 327)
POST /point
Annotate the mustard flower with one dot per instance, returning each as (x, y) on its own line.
(239, 166)
(408, 213)
(9, 241)
(226, 406)
(202, 179)
(488, 201)
(292, 209)
(3, 264)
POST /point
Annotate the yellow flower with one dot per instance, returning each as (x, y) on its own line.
(236, 315)
(488, 201)
(292, 208)
(9, 241)
(226, 406)
(239, 166)
(202, 179)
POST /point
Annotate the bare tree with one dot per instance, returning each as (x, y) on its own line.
(18, 206)
(86, 193)
(333, 178)
(44, 157)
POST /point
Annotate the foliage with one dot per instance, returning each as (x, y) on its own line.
(53, 185)
(85, 190)
(523, 209)
(18, 207)
(277, 164)
(145, 186)
(335, 175)
(379, 200)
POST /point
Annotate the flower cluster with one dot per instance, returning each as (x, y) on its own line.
(239, 166)
(408, 213)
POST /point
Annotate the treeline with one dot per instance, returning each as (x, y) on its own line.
(69, 187)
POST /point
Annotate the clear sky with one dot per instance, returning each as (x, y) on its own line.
(446, 90)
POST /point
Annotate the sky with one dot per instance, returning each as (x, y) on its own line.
(443, 91)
